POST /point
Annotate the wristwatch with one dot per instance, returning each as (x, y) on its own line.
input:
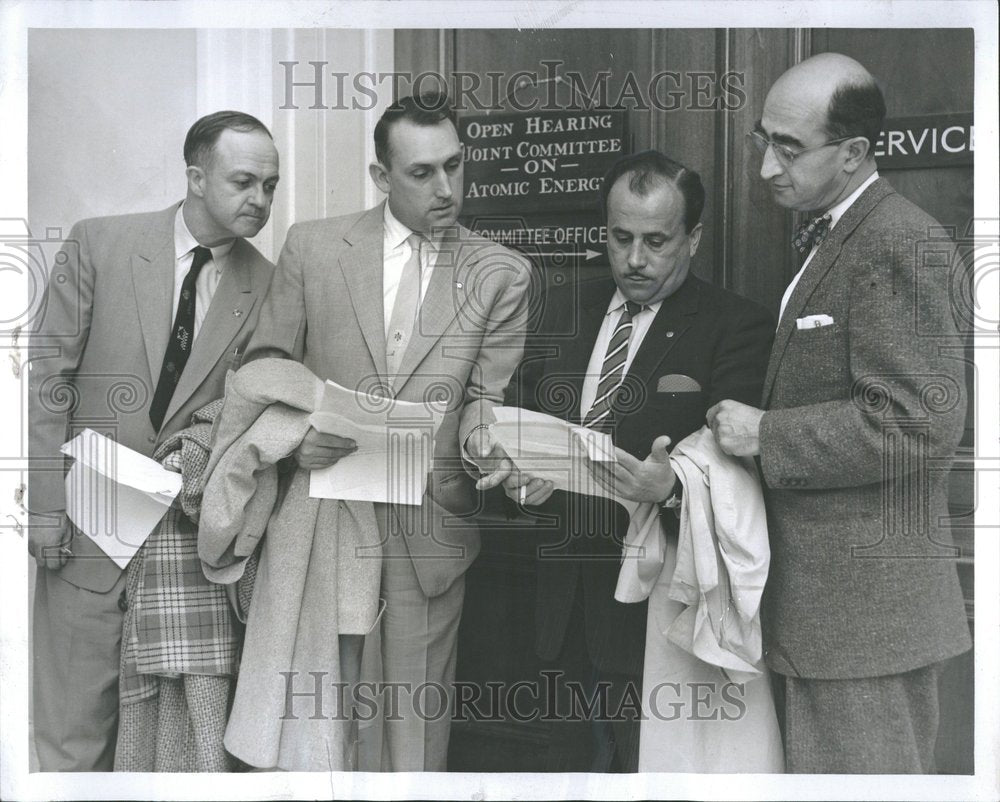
(673, 502)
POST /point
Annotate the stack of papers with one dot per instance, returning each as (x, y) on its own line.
(550, 448)
(114, 495)
(395, 446)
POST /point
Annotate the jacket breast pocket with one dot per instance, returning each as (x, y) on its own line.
(817, 360)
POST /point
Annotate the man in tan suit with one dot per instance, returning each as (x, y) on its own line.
(401, 300)
(143, 316)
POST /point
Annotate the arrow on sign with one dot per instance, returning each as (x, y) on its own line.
(587, 254)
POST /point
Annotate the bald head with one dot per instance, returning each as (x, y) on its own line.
(836, 92)
(825, 116)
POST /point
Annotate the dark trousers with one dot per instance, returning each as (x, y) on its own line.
(606, 738)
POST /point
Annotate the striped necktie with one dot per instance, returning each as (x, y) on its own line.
(613, 369)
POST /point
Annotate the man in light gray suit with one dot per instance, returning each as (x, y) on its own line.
(863, 407)
(402, 301)
(143, 316)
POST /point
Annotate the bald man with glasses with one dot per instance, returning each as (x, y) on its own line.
(862, 409)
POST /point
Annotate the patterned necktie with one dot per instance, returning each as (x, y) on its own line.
(181, 341)
(404, 308)
(613, 369)
(811, 233)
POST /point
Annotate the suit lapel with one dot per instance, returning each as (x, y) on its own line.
(362, 265)
(153, 287)
(674, 317)
(823, 261)
(231, 306)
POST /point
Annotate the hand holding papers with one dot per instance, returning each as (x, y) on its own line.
(395, 446)
(115, 495)
(551, 449)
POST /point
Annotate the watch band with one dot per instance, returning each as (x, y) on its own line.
(673, 502)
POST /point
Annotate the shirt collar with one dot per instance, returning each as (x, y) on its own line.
(837, 211)
(184, 242)
(618, 301)
(395, 232)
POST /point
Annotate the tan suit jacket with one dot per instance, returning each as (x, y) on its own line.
(325, 309)
(98, 353)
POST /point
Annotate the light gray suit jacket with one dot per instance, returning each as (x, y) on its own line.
(325, 309)
(98, 353)
(863, 418)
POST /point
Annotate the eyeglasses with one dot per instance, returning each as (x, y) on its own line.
(783, 153)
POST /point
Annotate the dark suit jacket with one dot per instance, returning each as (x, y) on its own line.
(863, 419)
(701, 331)
(98, 353)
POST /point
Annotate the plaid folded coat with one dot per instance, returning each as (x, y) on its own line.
(180, 642)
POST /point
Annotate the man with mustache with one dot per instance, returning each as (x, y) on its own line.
(641, 354)
(161, 304)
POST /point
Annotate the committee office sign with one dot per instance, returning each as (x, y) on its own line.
(544, 161)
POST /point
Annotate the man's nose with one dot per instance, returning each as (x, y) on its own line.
(259, 197)
(442, 186)
(769, 165)
(637, 255)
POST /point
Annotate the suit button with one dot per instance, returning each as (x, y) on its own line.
(122, 602)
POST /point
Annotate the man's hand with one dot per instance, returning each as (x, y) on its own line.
(527, 489)
(651, 479)
(736, 427)
(318, 450)
(489, 457)
(49, 537)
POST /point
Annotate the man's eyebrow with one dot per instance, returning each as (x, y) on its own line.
(780, 139)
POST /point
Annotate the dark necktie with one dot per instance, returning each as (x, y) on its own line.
(811, 233)
(181, 341)
(612, 370)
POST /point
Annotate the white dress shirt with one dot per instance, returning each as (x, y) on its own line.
(836, 212)
(641, 322)
(209, 277)
(395, 254)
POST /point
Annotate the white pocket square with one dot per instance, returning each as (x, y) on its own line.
(813, 321)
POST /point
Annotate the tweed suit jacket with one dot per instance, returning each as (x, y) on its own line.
(107, 317)
(325, 309)
(863, 418)
(715, 338)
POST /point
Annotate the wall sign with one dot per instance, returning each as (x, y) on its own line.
(927, 140)
(553, 239)
(538, 161)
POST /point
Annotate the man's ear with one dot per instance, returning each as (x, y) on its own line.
(380, 175)
(857, 153)
(694, 239)
(196, 180)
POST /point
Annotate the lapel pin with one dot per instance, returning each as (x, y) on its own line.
(458, 284)
(237, 313)
(669, 334)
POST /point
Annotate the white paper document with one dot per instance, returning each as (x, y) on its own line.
(395, 446)
(114, 495)
(550, 448)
